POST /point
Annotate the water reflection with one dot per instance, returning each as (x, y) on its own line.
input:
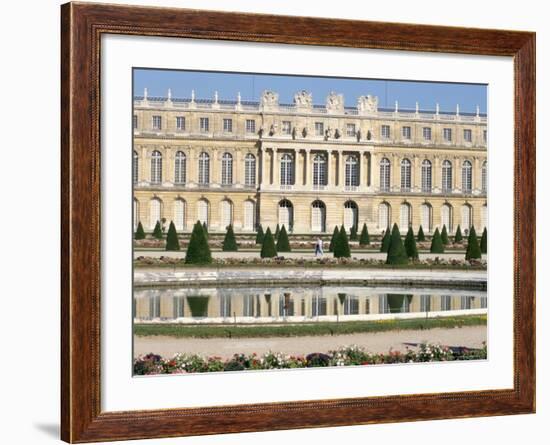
(316, 303)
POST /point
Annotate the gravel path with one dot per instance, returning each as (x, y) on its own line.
(378, 342)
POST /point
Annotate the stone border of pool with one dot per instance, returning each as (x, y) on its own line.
(201, 277)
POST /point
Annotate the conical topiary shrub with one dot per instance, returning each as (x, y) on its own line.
(341, 246)
(458, 235)
(283, 244)
(334, 238)
(473, 252)
(229, 242)
(353, 234)
(396, 252)
(277, 231)
(205, 229)
(172, 242)
(420, 236)
(385, 244)
(157, 231)
(483, 242)
(410, 245)
(444, 235)
(260, 235)
(437, 243)
(268, 246)
(198, 251)
(364, 239)
(140, 233)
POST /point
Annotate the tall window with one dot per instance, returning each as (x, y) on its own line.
(426, 217)
(203, 211)
(249, 215)
(318, 215)
(447, 134)
(484, 216)
(204, 168)
(287, 170)
(228, 125)
(467, 177)
(226, 213)
(384, 216)
(352, 171)
(385, 131)
(250, 126)
(179, 214)
(350, 130)
(250, 169)
(405, 217)
(154, 212)
(227, 169)
(447, 217)
(484, 177)
(351, 215)
(406, 132)
(157, 123)
(447, 177)
(286, 129)
(466, 217)
(180, 123)
(427, 133)
(405, 175)
(467, 135)
(135, 168)
(135, 122)
(385, 175)
(426, 176)
(179, 170)
(156, 167)
(285, 214)
(319, 170)
(319, 129)
(204, 124)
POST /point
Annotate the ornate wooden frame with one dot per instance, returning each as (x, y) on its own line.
(81, 28)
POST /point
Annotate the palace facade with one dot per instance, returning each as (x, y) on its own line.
(307, 166)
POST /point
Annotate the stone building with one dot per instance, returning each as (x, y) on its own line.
(307, 166)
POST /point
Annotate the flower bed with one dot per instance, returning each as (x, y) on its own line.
(152, 364)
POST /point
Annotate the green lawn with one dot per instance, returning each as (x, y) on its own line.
(303, 329)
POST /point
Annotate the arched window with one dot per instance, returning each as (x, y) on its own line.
(467, 177)
(351, 215)
(384, 214)
(136, 213)
(156, 167)
(447, 217)
(286, 214)
(484, 177)
(204, 169)
(405, 175)
(466, 217)
(227, 169)
(250, 170)
(385, 175)
(226, 213)
(155, 206)
(135, 168)
(447, 177)
(179, 214)
(484, 216)
(426, 217)
(287, 170)
(249, 215)
(352, 171)
(203, 211)
(179, 168)
(318, 215)
(405, 217)
(426, 176)
(319, 170)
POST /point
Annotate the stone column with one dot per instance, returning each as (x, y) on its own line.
(168, 165)
(276, 169)
(262, 167)
(475, 171)
(306, 168)
(214, 167)
(363, 182)
(237, 168)
(416, 174)
(340, 169)
(145, 166)
(395, 174)
(375, 171)
(330, 173)
(457, 172)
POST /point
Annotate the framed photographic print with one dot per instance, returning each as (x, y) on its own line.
(279, 222)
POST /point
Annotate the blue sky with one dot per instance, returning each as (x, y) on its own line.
(157, 82)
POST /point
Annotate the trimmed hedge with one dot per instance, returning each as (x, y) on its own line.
(157, 231)
(260, 235)
(229, 242)
(410, 245)
(364, 239)
(268, 246)
(444, 235)
(140, 233)
(341, 245)
(385, 245)
(458, 235)
(473, 251)
(335, 235)
(420, 237)
(172, 242)
(396, 252)
(198, 251)
(283, 245)
(437, 243)
(483, 242)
